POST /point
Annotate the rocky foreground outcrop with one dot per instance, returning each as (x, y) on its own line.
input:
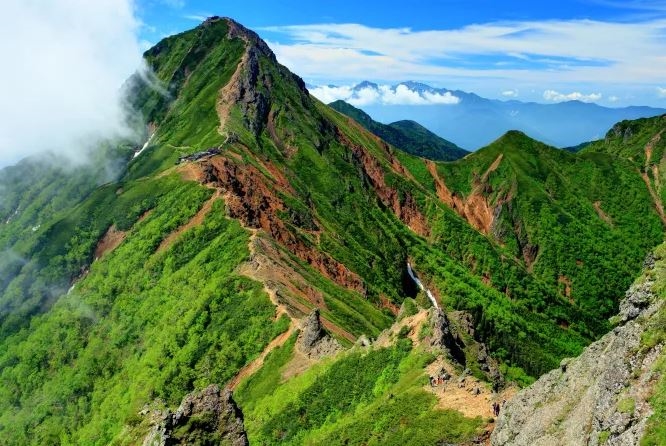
(208, 417)
(449, 332)
(313, 340)
(599, 398)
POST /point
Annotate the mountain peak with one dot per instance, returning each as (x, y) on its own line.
(417, 86)
(366, 84)
(251, 38)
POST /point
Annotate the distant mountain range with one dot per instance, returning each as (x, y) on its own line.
(471, 121)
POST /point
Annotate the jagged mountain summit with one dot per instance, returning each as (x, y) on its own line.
(259, 241)
(471, 121)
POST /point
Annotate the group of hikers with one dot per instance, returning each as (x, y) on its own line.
(497, 406)
(439, 379)
(443, 377)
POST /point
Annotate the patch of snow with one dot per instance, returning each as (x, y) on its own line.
(420, 285)
(144, 146)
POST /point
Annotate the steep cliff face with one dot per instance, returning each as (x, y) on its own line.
(603, 396)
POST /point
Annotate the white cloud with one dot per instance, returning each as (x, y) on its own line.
(65, 63)
(328, 94)
(661, 92)
(510, 93)
(557, 52)
(196, 17)
(555, 96)
(383, 94)
(613, 99)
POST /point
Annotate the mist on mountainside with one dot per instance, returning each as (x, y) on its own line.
(65, 63)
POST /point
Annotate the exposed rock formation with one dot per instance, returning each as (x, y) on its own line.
(450, 337)
(313, 341)
(207, 417)
(444, 338)
(595, 399)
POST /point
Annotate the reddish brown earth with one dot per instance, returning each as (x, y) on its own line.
(602, 215)
(386, 303)
(256, 204)
(406, 208)
(110, 241)
(475, 208)
(564, 280)
(650, 145)
(659, 207)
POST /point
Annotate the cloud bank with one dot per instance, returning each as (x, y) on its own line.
(382, 94)
(510, 93)
(64, 63)
(556, 96)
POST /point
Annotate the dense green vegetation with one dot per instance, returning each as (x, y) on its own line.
(561, 214)
(362, 397)
(628, 139)
(171, 321)
(408, 136)
(33, 195)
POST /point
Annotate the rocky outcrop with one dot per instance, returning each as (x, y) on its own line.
(313, 340)
(444, 338)
(599, 398)
(207, 417)
(449, 334)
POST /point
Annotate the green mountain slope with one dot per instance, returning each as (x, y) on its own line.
(190, 272)
(640, 142)
(409, 136)
(561, 214)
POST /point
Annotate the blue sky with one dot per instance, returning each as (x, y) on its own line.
(606, 51)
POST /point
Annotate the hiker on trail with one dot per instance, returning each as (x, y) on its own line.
(432, 382)
(496, 408)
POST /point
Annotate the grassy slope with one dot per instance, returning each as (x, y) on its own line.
(141, 325)
(409, 136)
(361, 397)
